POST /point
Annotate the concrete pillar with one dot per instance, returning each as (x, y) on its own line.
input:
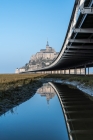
(69, 71)
(75, 71)
(64, 72)
(85, 70)
(88, 70)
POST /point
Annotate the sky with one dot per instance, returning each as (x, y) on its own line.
(25, 26)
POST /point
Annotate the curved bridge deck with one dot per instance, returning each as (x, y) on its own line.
(78, 111)
(77, 49)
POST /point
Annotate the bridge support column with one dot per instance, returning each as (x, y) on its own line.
(75, 71)
(85, 70)
(88, 70)
(69, 71)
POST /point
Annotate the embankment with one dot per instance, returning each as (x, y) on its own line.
(84, 83)
(16, 89)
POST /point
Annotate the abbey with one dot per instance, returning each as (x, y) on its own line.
(41, 59)
(48, 53)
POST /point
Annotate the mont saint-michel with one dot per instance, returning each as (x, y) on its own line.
(40, 60)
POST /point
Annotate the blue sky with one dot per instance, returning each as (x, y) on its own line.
(25, 26)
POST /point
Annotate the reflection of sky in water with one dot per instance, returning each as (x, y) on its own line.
(34, 120)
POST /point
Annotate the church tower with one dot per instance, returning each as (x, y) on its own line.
(47, 45)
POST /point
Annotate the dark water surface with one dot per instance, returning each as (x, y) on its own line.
(39, 118)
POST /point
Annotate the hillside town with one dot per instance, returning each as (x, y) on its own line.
(40, 60)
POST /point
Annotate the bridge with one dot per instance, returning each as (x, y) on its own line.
(77, 49)
(78, 111)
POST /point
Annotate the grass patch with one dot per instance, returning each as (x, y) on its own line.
(14, 80)
(87, 80)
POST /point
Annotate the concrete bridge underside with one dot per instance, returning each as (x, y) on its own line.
(77, 49)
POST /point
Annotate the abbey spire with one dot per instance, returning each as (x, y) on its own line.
(47, 43)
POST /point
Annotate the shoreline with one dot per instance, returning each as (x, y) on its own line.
(83, 83)
(81, 86)
(16, 96)
(20, 93)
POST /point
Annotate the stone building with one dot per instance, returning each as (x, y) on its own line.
(48, 53)
(43, 58)
(20, 70)
(40, 60)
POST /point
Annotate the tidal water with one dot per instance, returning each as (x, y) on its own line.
(39, 118)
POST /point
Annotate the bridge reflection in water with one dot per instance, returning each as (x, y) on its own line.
(37, 121)
(78, 111)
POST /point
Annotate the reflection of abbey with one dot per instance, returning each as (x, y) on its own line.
(47, 91)
(41, 59)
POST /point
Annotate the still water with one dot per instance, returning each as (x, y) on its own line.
(39, 118)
